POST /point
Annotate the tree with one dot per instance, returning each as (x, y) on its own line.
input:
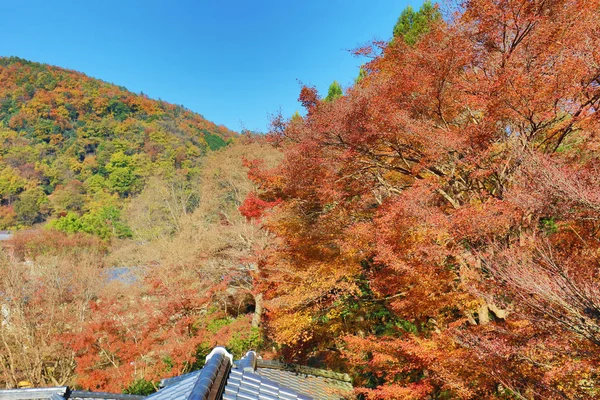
(412, 25)
(334, 92)
(104, 222)
(8, 217)
(31, 206)
(70, 197)
(159, 210)
(441, 216)
(361, 75)
(11, 184)
(42, 300)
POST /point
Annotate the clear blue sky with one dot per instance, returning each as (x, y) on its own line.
(235, 62)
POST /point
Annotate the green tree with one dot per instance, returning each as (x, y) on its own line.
(31, 206)
(296, 117)
(123, 174)
(362, 73)
(411, 24)
(104, 222)
(119, 110)
(70, 197)
(334, 92)
(11, 183)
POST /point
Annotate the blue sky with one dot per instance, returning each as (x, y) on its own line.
(235, 62)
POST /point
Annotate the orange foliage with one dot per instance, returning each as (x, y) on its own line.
(443, 214)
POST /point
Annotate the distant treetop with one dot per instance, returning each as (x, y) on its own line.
(411, 24)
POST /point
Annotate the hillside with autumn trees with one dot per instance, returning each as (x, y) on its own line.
(433, 230)
(73, 147)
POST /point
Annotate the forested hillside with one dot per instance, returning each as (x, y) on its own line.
(438, 225)
(72, 147)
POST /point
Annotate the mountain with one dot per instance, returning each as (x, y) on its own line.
(74, 148)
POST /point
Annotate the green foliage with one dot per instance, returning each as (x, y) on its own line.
(141, 387)
(548, 225)
(242, 342)
(362, 74)
(70, 223)
(296, 117)
(334, 92)
(214, 142)
(202, 351)
(216, 324)
(407, 326)
(31, 206)
(104, 222)
(118, 109)
(68, 198)
(411, 24)
(11, 183)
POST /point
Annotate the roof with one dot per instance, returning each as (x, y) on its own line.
(62, 393)
(317, 383)
(250, 378)
(5, 235)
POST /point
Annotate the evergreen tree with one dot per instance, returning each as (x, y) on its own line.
(411, 24)
(334, 92)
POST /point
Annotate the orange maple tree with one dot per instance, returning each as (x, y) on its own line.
(439, 223)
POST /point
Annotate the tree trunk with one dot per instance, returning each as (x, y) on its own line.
(258, 310)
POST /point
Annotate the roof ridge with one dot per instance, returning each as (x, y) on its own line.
(208, 383)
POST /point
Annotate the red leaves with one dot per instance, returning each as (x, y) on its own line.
(309, 98)
(254, 207)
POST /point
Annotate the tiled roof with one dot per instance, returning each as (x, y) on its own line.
(62, 393)
(245, 385)
(254, 378)
(317, 387)
(221, 379)
(53, 393)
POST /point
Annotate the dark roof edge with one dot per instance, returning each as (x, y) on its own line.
(272, 364)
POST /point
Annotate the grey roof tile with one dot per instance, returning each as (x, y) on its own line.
(316, 387)
(50, 393)
(62, 393)
(176, 379)
(247, 363)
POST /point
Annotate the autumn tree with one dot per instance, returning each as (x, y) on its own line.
(193, 287)
(437, 214)
(43, 298)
